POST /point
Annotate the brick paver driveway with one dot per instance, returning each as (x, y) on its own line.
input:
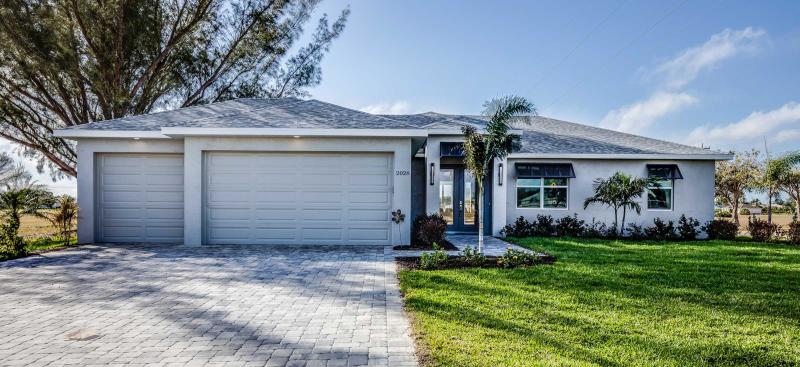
(173, 305)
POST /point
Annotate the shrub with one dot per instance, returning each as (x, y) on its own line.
(598, 230)
(661, 231)
(761, 230)
(432, 260)
(722, 213)
(719, 229)
(744, 211)
(515, 258)
(520, 228)
(636, 231)
(429, 229)
(688, 228)
(472, 257)
(570, 226)
(11, 243)
(544, 226)
(793, 233)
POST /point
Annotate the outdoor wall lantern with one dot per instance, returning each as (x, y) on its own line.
(433, 168)
(500, 174)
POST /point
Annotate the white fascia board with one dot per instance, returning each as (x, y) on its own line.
(213, 131)
(122, 134)
(673, 157)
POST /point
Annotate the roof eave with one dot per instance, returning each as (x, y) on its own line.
(108, 134)
(283, 132)
(638, 156)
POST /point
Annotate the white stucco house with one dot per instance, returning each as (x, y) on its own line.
(292, 171)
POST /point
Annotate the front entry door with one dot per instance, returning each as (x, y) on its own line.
(458, 195)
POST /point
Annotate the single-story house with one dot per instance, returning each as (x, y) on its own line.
(292, 171)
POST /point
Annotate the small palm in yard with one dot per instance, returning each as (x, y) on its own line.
(619, 191)
(481, 150)
(64, 216)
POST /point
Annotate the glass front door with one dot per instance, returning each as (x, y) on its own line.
(458, 198)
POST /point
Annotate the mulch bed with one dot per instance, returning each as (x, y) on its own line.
(457, 262)
(445, 245)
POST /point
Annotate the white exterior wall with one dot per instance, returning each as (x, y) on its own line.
(193, 149)
(692, 196)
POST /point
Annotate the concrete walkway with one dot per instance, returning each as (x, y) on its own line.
(492, 246)
(208, 306)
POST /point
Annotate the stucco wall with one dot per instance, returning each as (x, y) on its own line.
(693, 195)
(193, 149)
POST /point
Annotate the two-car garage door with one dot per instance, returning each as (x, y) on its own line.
(297, 198)
(248, 198)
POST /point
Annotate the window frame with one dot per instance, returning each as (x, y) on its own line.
(671, 196)
(541, 188)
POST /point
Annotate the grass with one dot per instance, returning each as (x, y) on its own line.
(32, 226)
(615, 303)
(39, 245)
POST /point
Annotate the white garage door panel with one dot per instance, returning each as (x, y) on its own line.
(298, 198)
(140, 198)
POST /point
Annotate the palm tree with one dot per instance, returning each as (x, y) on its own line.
(480, 150)
(619, 191)
(64, 216)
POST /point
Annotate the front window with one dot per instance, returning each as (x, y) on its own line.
(659, 195)
(549, 193)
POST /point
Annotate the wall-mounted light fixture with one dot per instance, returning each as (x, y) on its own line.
(500, 174)
(433, 168)
(135, 138)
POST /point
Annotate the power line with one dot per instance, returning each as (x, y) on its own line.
(619, 52)
(580, 43)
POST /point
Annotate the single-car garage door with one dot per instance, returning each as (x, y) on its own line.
(298, 198)
(140, 198)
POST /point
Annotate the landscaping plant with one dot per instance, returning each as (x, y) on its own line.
(688, 228)
(482, 149)
(619, 191)
(472, 256)
(761, 230)
(570, 226)
(661, 230)
(516, 258)
(432, 260)
(793, 232)
(720, 229)
(520, 228)
(64, 217)
(429, 229)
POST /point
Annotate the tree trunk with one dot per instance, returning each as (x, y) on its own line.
(735, 206)
(616, 219)
(622, 230)
(769, 206)
(480, 215)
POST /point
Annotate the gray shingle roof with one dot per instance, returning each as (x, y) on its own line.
(253, 113)
(540, 134)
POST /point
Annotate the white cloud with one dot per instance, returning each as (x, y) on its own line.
(756, 125)
(637, 116)
(788, 135)
(388, 108)
(685, 67)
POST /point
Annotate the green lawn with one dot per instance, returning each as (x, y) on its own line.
(615, 303)
(40, 244)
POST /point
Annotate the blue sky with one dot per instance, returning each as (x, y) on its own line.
(720, 73)
(724, 74)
